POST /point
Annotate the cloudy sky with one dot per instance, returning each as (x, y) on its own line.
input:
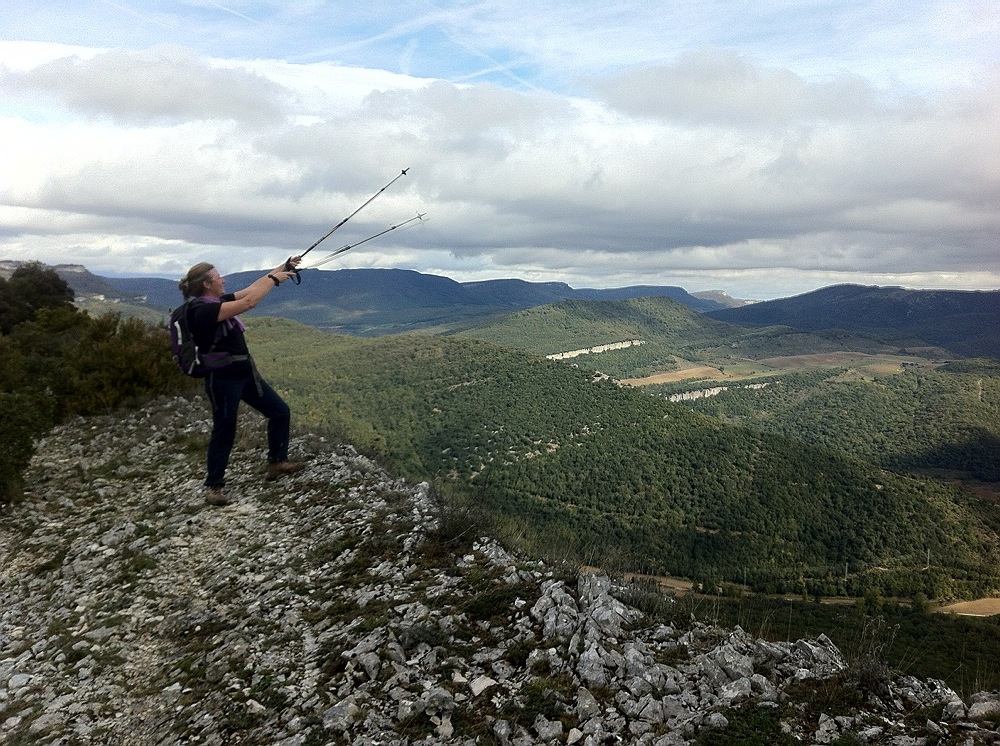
(763, 148)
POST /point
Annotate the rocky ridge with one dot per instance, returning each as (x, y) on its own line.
(343, 606)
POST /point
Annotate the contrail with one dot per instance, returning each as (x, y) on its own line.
(495, 65)
(445, 21)
(175, 26)
(143, 16)
(399, 30)
(238, 15)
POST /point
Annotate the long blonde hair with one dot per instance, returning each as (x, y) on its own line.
(193, 283)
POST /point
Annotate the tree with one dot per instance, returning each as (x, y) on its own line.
(30, 288)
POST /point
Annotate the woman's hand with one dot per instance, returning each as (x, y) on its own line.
(291, 264)
(287, 270)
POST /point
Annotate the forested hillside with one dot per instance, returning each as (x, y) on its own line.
(790, 480)
(616, 476)
(672, 334)
(574, 324)
(918, 419)
(964, 322)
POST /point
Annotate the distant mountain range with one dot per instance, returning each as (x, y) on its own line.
(965, 322)
(373, 302)
(362, 289)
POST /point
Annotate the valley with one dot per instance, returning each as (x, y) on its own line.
(654, 487)
(771, 457)
(809, 490)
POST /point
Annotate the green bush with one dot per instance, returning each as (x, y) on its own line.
(30, 288)
(121, 362)
(750, 725)
(56, 361)
(24, 419)
(93, 365)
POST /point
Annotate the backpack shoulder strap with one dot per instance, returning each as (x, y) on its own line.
(220, 328)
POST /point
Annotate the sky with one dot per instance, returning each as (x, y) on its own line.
(765, 149)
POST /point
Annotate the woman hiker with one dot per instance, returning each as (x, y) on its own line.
(215, 325)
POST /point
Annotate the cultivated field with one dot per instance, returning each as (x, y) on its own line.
(699, 372)
(979, 607)
(857, 361)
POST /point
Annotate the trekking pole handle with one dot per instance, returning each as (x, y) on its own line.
(296, 277)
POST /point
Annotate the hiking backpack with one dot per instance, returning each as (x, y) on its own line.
(192, 361)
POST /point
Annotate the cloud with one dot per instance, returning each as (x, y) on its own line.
(707, 166)
(162, 84)
(723, 88)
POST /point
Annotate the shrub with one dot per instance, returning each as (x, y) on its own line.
(95, 365)
(749, 725)
(30, 288)
(24, 419)
(121, 362)
(56, 361)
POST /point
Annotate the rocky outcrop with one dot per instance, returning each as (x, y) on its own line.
(342, 606)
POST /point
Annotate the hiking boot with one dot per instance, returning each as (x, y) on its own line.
(276, 469)
(215, 496)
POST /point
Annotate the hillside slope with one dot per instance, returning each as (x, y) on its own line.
(964, 322)
(671, 334)
(623, 476)
(340, 607)
(946, 419)
(570, 325)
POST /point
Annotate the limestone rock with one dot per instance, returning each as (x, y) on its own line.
(309, 612)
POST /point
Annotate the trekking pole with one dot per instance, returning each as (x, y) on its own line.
(288, 264)
(342, 249)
